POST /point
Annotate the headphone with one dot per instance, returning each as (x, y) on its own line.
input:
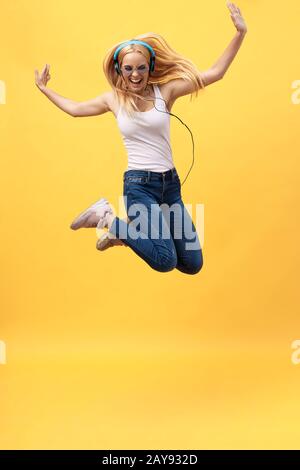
(151, 69)
(134, 41)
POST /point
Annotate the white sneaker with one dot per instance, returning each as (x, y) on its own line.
(108, 240)
(93, 216)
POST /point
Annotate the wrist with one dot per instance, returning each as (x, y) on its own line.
(241, 33)
(42, 88)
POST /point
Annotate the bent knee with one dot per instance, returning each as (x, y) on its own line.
(192, 267)
(167, 263)
(195, 269)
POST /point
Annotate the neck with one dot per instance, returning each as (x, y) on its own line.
(148, 91)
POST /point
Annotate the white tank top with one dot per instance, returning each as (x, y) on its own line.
(146, 137)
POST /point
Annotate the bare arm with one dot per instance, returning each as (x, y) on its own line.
(228, 55)
(217, 71)
(180, 87)
(64, 104)
(92, 107)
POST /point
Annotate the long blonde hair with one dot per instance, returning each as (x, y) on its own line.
(169, 65)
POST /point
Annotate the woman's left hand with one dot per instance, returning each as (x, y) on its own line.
(237, 18)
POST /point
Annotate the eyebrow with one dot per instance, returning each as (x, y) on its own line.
(128, 65)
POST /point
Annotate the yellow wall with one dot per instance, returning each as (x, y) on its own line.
(102, 351)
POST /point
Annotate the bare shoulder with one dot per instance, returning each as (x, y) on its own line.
(176, 88)
(165, 89)
(112, 102)
(166, 92)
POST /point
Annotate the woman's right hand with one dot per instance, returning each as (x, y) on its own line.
(41, 80)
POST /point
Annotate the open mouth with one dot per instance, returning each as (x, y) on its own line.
(135, 82)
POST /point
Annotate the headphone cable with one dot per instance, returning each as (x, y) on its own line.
(171, 114)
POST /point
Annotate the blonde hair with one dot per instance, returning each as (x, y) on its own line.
(169, 65)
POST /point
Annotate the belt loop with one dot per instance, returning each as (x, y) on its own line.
(148, 178)
(173, 173)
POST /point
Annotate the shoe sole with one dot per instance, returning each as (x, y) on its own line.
(105, 242)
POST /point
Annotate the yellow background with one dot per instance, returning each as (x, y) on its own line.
(102, 351)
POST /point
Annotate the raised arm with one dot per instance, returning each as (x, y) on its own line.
(218, 70)
(180, 87)
(92, 107)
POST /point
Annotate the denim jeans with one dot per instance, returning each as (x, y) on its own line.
(166, 238)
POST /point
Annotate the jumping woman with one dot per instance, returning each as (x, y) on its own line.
(147, 76)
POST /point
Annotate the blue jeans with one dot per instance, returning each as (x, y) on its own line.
(167, 237)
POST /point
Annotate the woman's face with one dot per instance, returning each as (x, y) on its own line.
(135, 68)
